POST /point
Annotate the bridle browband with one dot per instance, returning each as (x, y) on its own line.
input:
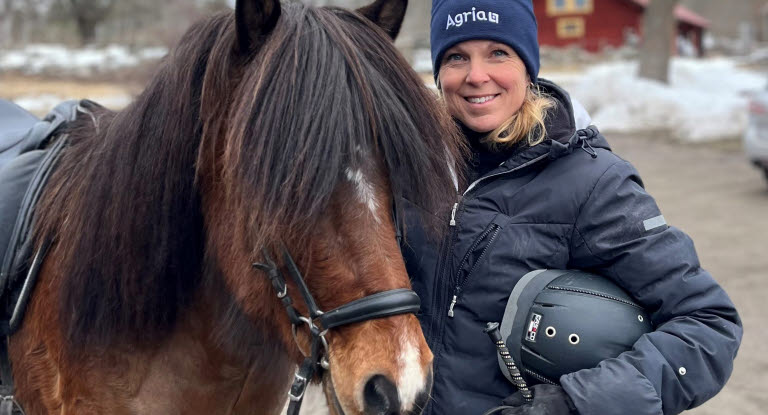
(379, 305)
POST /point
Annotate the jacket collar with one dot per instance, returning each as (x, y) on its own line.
(562, 135)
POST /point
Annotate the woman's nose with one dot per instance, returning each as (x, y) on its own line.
(477, 74)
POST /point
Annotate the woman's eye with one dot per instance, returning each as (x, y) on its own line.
(453, 57)
(498, 53)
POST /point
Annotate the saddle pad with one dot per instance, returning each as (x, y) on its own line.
(22, 179)
(15, 122)
(14, 180)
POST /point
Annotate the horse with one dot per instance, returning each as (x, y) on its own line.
(272, 140)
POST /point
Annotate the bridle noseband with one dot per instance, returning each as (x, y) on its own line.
(379, 305)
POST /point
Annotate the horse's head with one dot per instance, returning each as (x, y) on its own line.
(312, 124)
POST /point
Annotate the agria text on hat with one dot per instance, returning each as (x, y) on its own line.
(472, 16)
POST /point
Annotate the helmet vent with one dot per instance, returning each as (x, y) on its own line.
(550, 331)
(574, 338)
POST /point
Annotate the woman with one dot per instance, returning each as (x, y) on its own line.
(546, 194)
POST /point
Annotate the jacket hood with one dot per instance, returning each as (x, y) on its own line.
(563, 136)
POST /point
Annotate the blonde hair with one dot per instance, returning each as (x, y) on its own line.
(527, 123)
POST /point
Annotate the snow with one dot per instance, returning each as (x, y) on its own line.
(706, 99)
(422, 60)
(53, 59)
(50, 58)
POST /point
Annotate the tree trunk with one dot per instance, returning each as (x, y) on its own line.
(17, 28)
(87, 30)
(88, 14)
(6, 24)
(659, 32)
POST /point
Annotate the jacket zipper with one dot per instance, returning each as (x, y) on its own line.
(443, 268)
(526, 164)
(457, 205)
(438, 329)
(461, 282)
(452, 223)
(595, 293)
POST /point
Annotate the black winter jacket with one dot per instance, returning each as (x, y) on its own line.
(569, 203)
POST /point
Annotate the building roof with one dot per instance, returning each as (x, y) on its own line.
(682, 14)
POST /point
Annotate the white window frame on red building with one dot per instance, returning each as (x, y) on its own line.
(566, 7)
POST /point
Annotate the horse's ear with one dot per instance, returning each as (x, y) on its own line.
(387, 14)
(255, 20)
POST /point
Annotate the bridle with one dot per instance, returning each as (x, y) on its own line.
(379, 305)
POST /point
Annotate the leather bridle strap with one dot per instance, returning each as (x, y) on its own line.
(293, 271)
(379, 305)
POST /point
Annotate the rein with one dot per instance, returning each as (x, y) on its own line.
(379, 305)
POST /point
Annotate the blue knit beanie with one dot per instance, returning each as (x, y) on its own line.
(511, 22)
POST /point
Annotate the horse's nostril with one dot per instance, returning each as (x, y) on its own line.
(380, 396)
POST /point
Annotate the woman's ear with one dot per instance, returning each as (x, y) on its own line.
(255, 20)
(387, 14)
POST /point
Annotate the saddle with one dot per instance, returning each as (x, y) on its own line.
(29, 149)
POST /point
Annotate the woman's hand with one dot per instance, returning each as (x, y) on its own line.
(547, 400)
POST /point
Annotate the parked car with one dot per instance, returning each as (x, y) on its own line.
(756, 135)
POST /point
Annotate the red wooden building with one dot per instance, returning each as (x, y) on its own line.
(594, 24)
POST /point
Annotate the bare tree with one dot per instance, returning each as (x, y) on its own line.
(88, 14)
(658, 36)
(19, 19)
(5, 23)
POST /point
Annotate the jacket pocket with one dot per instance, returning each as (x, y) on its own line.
(473, 257)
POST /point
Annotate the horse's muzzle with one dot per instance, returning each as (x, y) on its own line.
(380, 396)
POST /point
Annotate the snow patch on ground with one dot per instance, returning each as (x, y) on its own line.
(706, 99)
(57, 59)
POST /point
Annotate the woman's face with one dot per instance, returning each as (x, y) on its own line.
(483, 83)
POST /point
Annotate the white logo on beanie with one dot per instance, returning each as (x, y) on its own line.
(472, 16)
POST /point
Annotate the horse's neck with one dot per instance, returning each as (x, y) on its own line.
(196, 362)
(189, 371)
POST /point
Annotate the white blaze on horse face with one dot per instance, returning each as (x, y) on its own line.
(365, 191)
(412, 379)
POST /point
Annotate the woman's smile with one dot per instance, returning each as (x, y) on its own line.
(481, 100)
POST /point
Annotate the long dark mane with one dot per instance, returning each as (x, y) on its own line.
(326, 92)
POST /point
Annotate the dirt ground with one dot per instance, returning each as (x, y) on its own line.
(712, 193)
(54, 91)
(13, 87)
